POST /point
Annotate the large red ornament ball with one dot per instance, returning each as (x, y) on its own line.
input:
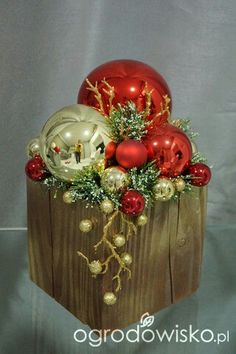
(35, 169)
(110, 150)
(132, 203)
(170, 148)
(131, 153)
(128, 77)
(200, 173)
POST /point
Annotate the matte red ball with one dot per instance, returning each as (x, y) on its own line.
(201, 174)
(128, 77)
(110, 150)
(35, 169)
(131, 153)
(132, 203)
(170, 148)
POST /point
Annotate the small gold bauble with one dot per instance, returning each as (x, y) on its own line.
(126, 258)
(33, 148)
(100, 165)
(107, 206)
(95, 267)
(86, 225)
(68, 197)
(194, 147)
(109, 298)
(142, 220)
(163, 190)
(119, 240)
(180, 184)
(114, 179)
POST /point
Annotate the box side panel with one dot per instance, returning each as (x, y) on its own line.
(187, 244)
(39, 236)
(149, 289)
(74, 287)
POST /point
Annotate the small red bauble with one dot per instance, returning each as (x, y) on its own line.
(200, 173)
(110, 150)
(132, 203)
(170, 148)
(131, 153)
(128, 77)
(35, 169)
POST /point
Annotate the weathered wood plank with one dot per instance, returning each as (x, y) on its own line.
(39, 236)
(74, 286)
(149, 288)
(167, 255)
(187, 244)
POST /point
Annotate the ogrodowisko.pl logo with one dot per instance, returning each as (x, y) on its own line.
(142, 333)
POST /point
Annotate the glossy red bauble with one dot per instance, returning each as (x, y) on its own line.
(170, 148)
(35, 169)
(200, 173)
(110, 150)
(131, 153)
(132, 203)
(128, 77)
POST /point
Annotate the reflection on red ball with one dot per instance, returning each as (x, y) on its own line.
(128, 77)
(131, 153)
(200, 173)
(132, 203)
(110, 150)
(170, 148)
(35, 169)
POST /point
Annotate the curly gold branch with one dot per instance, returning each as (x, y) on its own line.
(97, 95)
(132, 228)
(164, 109)
(148, 100)
(106, 263)
(106, 228)
(111, 93)
(83, 256)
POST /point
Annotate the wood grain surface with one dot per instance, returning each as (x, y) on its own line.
(167, 257)
(40, 236)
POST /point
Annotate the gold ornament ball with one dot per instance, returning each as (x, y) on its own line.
(194, 147)
(107, 206)
(126, 258)
(109, 298)
(142, 220)
(71, 139)
(95, 267)
(163, 190)
(180, 184)
(114, 179)
(33, 148)
(119, 240)
(68, 197)
(100, 165)
(85, 225)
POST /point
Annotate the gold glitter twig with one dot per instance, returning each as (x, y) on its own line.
(97, 95)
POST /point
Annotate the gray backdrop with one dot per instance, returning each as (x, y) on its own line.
(48, 47)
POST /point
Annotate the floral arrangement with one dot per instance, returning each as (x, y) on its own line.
(119, 150)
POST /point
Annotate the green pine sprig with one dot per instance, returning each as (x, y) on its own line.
(126, 122)
(185, 125)
(143, 180)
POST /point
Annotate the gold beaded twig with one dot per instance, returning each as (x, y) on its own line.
(164, 109)
(110, 91)
(148, 100)
(98, 267)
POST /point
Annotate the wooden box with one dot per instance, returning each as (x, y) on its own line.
(167, 257)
